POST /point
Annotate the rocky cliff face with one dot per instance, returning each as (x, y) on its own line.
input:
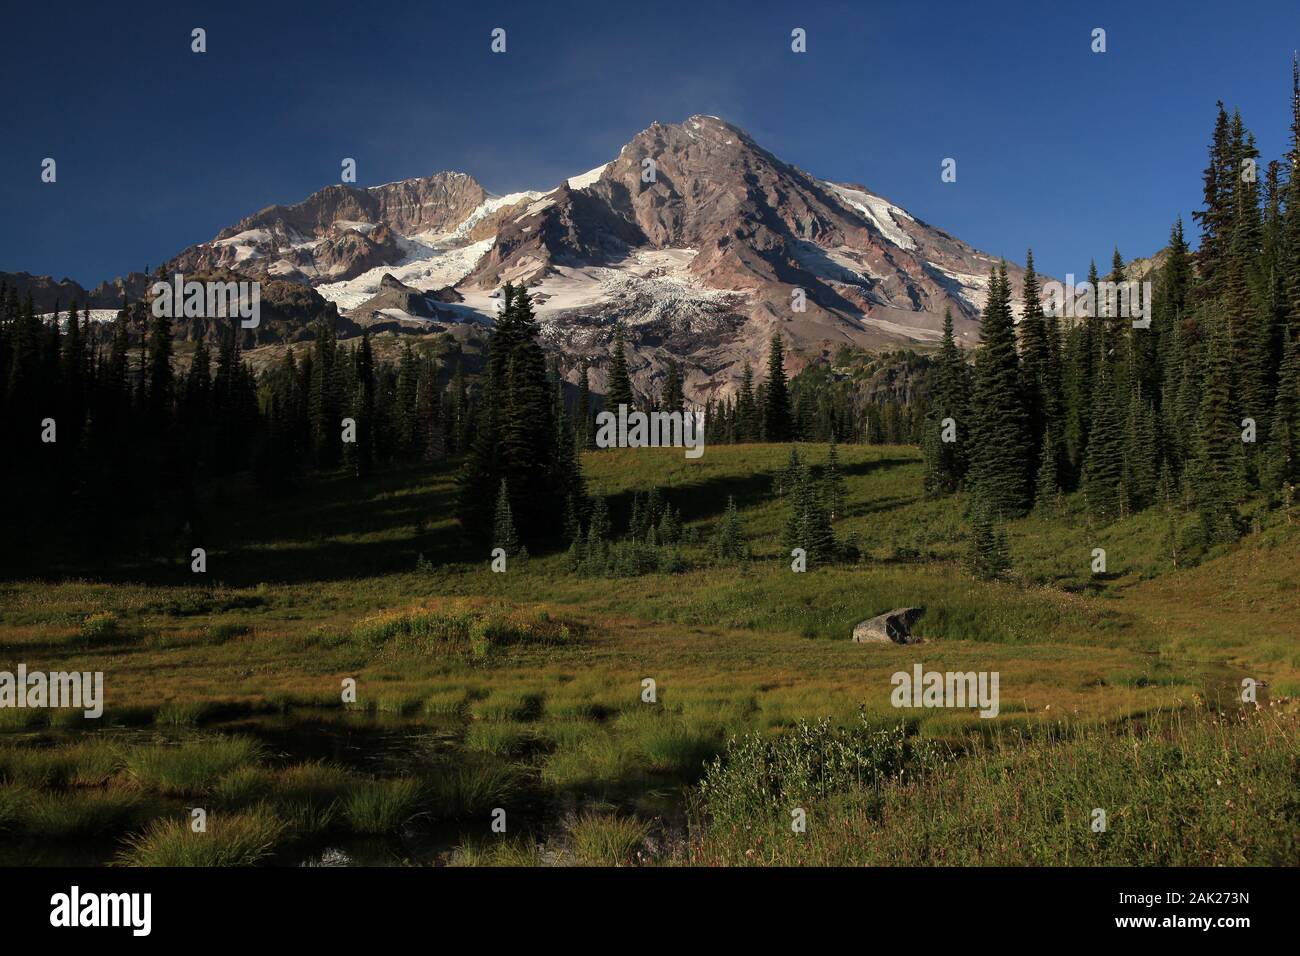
(339, 232)
(703, 259)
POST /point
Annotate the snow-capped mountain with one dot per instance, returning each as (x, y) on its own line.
(694, 236)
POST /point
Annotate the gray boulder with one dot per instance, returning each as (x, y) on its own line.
(892, 627)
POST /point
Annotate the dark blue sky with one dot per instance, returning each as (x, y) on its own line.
(1059, 148)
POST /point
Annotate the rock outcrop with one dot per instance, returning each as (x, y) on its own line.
(892, 627)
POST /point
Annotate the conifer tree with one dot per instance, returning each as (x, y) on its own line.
(1141, 460)
(1103, 470)
(503, 525)
(407, 419)
(1289, 252)
(747, 415)
(729, 541)
(946, 461)
(778, 422)
(326, 392)
(808, 524)
(1282, 471)
(161, 383)
(584, 432)
(1218, 485)
(988, 556)
(619, 389)
(1215, 218)
(518, 438)
(1035, 359)
(789, 476)
(364, 412)
(1047, 488)
(1000, 428)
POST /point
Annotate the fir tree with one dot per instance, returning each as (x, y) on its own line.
(729, 541)
(1215, 218)
(789, 476)
(808, 525)
(161, 383)
(946, 461)
(584, 432)
(503, 525)
(988, 557)
(747, 415)
(619, 389)
(1218, 484)
(778, 424)
(364, 449)
(1000, 427)
(1047, 488)
(1103, 470)
(1035, 360)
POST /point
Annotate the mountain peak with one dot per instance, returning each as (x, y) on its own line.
(694, 236)
(701, 128)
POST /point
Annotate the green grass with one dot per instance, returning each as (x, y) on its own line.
(89, 761)
(191, 766)
(382, 806)
(13, 801)
(607, 840)
(241, 839)
(525, 688)
(469, 788)
(1180, 791)
(500, 851)
(80, 814)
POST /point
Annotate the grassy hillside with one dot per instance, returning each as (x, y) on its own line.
(523, 690)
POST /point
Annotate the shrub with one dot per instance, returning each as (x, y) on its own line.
(101, 626)
(224, 631)
(758, 777)
(477, 631)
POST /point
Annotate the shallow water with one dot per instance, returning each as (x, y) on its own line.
(382, 745)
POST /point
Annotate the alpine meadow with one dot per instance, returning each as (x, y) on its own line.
(695, 512)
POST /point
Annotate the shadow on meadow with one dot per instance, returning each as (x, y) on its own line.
(328, 529)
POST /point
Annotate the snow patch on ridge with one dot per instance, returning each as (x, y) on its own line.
(245, 243)
(881, 213)
(588, 178)
(430, 262)
(486, 208)
(972, 287)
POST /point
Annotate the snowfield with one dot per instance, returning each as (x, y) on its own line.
(431, 262)
(881, 213)
(96, 315)
(245, 243)
(650, 286)
(588, 178)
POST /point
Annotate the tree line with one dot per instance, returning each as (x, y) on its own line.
(1197, 413)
